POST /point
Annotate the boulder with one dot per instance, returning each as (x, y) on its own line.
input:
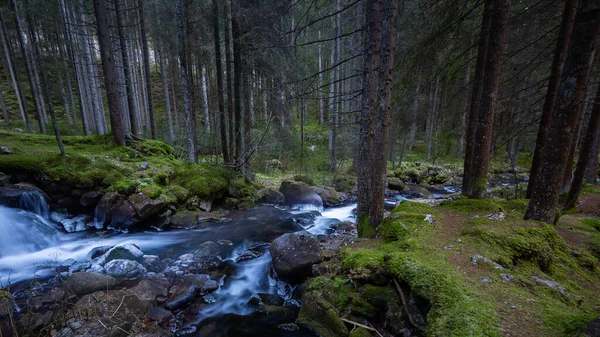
(294, 254)
(297, 193)
(319, 315)
(187, 287)
(85, 283)
(151, 262)
(272, 196)
(593, 329)
(18, 195)
(107, 314)
(148, 290)
(126, 251)
(145, 207)
(396, 184)
(89, 199)
(122, 269)
(184, 220)
(329, 195)
(206, 217)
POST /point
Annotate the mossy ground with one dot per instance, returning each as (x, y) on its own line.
(96, 163)
(472, 299)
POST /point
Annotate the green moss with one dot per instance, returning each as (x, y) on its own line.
(125, 186)
(535, 242)
(341, 293)
(174, 194)
(320, 316)
(202, 180)
(585, 259)
(365, 230)
(471, 205)
(399, 226)
(152, 191)
(304, 179)
(457, 310)
(593, 223)
(415, 208)
(161, 179)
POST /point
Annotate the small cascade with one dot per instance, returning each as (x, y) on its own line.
(25, 232)
(34, 201)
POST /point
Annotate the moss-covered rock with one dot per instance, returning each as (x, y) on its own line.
(203, 181)
(319, 315)
(304, 179)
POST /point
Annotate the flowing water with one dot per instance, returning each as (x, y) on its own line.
(32, 246)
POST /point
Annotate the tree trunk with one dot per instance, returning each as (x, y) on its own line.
(28, 66)
(585, 155)
(487, 106)
(337, 84)
(46, 90)
(190, 120)
(205, 101)
(230, 99)
(219, 73)
(591, 173)
(15, 79)
(572, 89)
(377, 78)
(146, 62)
(463, 116)
(131, 106)
(165, 85)
(564, 35)
(321, 107)
(237, 86)
(110, 73)
(248, 127)
(482, 50)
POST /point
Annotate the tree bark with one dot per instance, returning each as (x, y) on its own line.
(165, 85)
(564, 36)
(585, 154)
(219, 73)
(190, 120)
(146, 62)
(374, 126)
(572, 88)
(46, 90)
(110, 73)
(230, 99)
(478, 78)
(337, 84)
(487, 106)
(237, 86)
(131, 106)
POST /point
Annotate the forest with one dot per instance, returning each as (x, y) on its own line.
(299, 168)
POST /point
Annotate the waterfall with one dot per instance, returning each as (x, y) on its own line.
(25, 232)
(34, 201)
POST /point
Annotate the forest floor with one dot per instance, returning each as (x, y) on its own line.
(539, 280)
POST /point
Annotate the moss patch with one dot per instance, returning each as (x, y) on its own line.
(202, 180)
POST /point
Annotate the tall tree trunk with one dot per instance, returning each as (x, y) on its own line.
(591, 173)
(237, 86)
(34, 65)
(219, 73)
(131, 106)
(146, 62)
(585, 155)
(560, 53)
(165, 85)
(572, 89)
(568, 175)
(46, 90)
(35, 95)
(321, 108)
(337, 84)
(205, 101)
(376, 97)
(463, 116)
(248, 127)
(230, 99)
(14, 77)
(487, 107)
(190, 120)
(472, 121)
(110, 73)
